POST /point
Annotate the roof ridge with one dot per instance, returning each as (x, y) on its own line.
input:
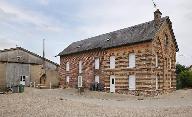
(129, 35)
(119, 30)
(5, 50)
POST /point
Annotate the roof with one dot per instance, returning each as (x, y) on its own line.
(25, 50)
(131, 35)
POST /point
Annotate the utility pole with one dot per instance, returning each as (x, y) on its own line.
(44, 66)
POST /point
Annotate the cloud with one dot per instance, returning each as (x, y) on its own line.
(44, 2)
(26, 16)
(8, 43)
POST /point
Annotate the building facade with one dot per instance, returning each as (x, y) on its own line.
(20, 66)
(137, 59)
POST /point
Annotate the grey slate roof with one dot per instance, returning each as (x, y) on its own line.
(135, 34)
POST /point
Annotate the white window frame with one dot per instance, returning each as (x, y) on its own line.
(67, 66)
(80, 81)
(97, 63)
(97, 78)
(112, 62)
(80, 66)
(132, 62)
(156, 60)
(133, 77)
(67, 79)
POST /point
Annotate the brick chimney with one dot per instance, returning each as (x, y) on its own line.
(157, 18)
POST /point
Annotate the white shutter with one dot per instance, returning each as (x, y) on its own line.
(97, 63)
(170, 83)
(131, 60)
(97, 79)
(156, 82)
(67, 66)
(132, 82)
(112, 62)
(67, 79)
(80, 81)
(170, 63)
(156, 60)
(80, 66)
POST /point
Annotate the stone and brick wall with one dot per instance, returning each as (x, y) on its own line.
(145, 70)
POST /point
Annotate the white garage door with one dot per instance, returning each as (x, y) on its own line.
(132, 82)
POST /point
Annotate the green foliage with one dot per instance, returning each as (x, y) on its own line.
(184, 77)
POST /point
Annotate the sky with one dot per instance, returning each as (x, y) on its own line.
(26, 23)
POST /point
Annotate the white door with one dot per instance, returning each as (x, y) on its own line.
(112, 83)
(132, 82)
(22, 80)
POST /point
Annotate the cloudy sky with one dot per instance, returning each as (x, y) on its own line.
(27, 22)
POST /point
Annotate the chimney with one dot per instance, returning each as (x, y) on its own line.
(157, 18)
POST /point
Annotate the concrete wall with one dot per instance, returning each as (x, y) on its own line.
(14, 71)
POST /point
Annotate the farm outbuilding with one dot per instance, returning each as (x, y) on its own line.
(20, 66)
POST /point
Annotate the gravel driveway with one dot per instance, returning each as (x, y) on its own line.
(68, 103)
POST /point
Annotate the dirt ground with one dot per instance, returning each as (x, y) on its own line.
(68, 103)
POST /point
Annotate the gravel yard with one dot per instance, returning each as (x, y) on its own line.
(68, 103)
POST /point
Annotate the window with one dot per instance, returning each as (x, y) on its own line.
(80, 80)
(67, 79)
(132, 82)
(166, 40)
(156, 60)
(97, 79)
(131, 60)
(112, 62)
(67, 66)
(80, 66)
(170, 63)
(170, 82)
(157, 82)
(97, 63)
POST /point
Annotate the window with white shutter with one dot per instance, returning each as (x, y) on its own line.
(97, 79)
(132, 82)
(67, 79)
(112, 62)
(131, 60)
(80, 66)
(67, 66)
(170, 63)
(80, 81)
(157, 78)
(97, 63)
(156, 60)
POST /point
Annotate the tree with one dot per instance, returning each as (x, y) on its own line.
(184, 77)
